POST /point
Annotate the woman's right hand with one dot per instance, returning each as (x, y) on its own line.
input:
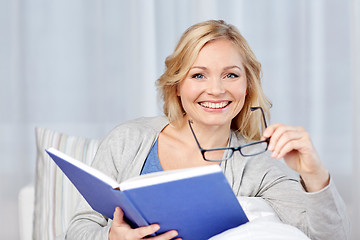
(121, 230)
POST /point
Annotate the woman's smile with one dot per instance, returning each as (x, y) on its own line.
(214, 105)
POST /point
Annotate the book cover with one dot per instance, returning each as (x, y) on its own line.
(197, 202)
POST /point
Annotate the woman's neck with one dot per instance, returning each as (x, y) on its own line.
(209, 136)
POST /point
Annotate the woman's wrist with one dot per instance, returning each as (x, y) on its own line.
(314, 182)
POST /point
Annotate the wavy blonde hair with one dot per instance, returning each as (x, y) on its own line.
(248, 124)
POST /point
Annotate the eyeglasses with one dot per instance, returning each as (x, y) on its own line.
(224, 153)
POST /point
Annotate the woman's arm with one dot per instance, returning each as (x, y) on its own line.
(295, 146)
(87, 224)
(320, 215)
(120, 156)
(324, 211)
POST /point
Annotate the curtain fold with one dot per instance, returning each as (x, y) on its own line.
(355, 74)
(81, 67)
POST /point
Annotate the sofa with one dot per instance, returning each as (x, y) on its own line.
(26, 210)
(45, 209)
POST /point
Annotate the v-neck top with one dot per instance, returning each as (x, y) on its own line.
(152, 162)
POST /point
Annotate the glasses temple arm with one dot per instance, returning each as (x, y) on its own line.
(263, 114)
(197, 142)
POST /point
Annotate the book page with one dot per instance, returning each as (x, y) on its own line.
(167, 176)
(85, 167)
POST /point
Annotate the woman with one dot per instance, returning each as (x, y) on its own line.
(211, 82)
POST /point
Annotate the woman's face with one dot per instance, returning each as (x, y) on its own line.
(214, 90)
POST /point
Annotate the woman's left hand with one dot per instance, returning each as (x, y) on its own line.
(295, 146)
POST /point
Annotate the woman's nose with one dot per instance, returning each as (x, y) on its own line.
(215, 86)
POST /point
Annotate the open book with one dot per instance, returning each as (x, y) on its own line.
(197, 202)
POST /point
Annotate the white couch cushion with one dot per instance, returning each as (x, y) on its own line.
(26, 210)
(55, 196)
(264, 224)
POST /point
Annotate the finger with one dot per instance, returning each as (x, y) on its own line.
(118, 224)
(270, 130)
(302, 142)
(142, 232)
(302, 148)
(118, 218)
(293, 160)
(276, 132)
(290, 146)
(168, 235)
(286, 137)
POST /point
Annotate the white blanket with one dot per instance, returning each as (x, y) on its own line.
(263, 224)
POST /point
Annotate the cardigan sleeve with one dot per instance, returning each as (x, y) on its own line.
(326, 213)
(120, 156)
(320, 215)
(86, 223)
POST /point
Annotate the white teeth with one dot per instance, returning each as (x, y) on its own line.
(214, 105)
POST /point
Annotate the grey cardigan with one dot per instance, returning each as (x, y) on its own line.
(121, 155)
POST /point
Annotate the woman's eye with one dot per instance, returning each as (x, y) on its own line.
(197, 76)
(231, 75)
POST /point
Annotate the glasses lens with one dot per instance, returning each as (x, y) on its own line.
(254, 149)
(218, 155)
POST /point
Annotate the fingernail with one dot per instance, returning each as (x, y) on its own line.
(155, 227)
(174, 233)
(273, 155)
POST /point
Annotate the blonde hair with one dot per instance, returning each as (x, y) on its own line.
(180, 61)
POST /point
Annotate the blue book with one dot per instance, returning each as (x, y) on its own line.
(197, 202)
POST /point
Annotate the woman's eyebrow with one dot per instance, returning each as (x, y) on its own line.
(200, 67)
(225, 68)
(234, 66)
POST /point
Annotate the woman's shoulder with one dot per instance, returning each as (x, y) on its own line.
(141, 125)
(130, 135)
(135, 130)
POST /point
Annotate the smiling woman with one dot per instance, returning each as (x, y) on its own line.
(213, 81)
(239, 62)
(214, 90)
